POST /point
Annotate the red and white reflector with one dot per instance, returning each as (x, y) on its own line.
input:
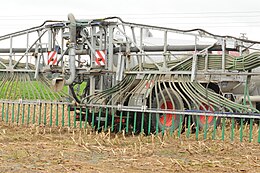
(52, 56)
(100, 57)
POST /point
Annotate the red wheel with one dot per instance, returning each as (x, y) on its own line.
(167, 119)
(203, 118)
(169, 100)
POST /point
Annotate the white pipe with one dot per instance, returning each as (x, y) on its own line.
(72, 49)
(252, 99)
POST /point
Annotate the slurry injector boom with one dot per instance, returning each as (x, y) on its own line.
(122, 75)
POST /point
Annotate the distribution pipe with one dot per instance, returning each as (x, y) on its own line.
(58, 83)
(252, 99)
(171, 48)
(22, 50)
(72, 49)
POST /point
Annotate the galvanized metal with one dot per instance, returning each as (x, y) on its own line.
(143, 86)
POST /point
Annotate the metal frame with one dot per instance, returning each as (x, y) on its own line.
(102, 35)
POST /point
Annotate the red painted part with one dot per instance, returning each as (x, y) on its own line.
(117, 120)
(203, 118)
(168, 117)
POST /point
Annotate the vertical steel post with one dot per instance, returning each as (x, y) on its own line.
(165, 50)
(40, 45)
(194, 66)
(141, 47)
(49, 39)
(133, 34)
(223, 54)
(37, 61)
(27, 46)
(134, 39)
(206, 61)
(62, 46)
(110, 51)
(93, 43)
(91, 85)
(11, 51)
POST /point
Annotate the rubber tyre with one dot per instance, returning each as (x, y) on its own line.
(178, 105)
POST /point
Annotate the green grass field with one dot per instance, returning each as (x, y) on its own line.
(34, 90)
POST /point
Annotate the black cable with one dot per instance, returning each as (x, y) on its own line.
(35, 27)
(184, 31)
(74, 94)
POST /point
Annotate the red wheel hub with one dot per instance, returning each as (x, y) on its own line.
(203, 119)
(167, 119)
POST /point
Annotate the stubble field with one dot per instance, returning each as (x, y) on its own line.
(42, 149)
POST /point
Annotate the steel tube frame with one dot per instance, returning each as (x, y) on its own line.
(194, 113)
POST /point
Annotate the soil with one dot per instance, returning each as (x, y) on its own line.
(42, 149)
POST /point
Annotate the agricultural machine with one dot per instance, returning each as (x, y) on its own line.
(114, 74)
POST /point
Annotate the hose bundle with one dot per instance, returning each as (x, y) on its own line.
(194, 94)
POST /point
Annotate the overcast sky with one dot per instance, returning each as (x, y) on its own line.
(225, 17)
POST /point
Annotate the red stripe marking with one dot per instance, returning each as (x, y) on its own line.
(101, 57)
(54, 61)
(52, 55)
(97, 61)
(51, 58)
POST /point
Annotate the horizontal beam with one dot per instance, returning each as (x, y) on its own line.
(23, 50)
(171, 48)
(178, 112)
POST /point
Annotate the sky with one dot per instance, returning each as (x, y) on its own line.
(223, 17)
